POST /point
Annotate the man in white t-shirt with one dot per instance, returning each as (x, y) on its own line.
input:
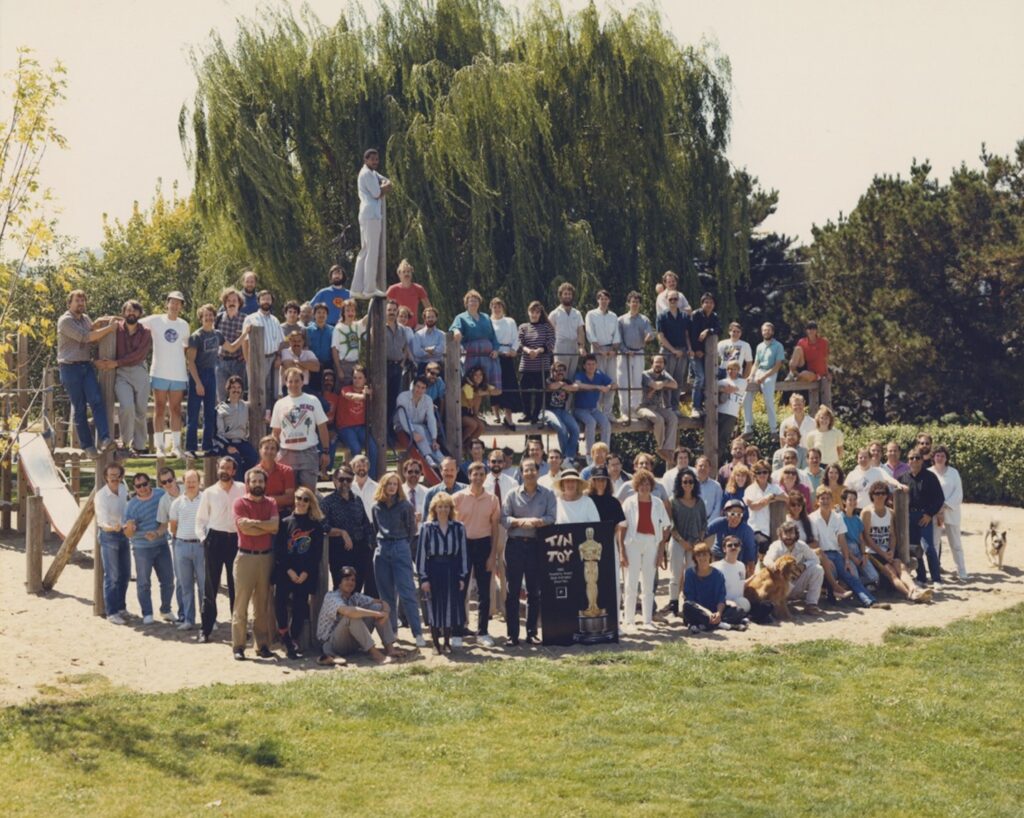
(168, 372)
(759, 496)
(799, 419)
(864, 474)
(731, 392)
(570, 330)
(830, 532)
(737, 606)
(300, 426)
(298, 355)
(602, 328)
(734, 348)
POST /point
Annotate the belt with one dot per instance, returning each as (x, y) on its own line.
(73, 363)
(180, 539)
(254, 553)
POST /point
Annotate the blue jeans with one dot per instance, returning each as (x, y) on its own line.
(208, 402)
(116, 554)
(925, 535)
(697, 370)
(591, 419)
(146, 559)
(566, 428)
(851, 580)
(355, 439)
(83, 388)
(768, 390)
(226, 367)
(392, 568)
(189, 570)
(245, 457)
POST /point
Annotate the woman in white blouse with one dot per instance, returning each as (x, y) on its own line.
(642, 537)
(948, 520)
(507, 332)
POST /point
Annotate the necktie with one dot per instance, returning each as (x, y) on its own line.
(497, 487)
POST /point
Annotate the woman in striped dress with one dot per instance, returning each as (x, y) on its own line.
(442, 565)
(536, 343)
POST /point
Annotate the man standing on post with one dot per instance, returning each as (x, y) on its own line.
(570, 330)
(768, 360)
(333, 296)
(479, 511)
(168, 370)
(257, 522)
(703, 322)
(75, 333)
(131, 383)
(368, 280)
(524, 511)
(675, 345)
(660, 406)
(602, 326)
(215, 526)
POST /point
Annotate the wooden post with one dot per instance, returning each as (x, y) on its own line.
(377, 411)
(85, 516)
(98, 604)
(76, 477)
(901, 519)
(22, 494)
(107, 348)
(453, 396)
(6, 489)
(209, 471)
(34, 544)
(776, 516)
(23, 395)
(48, 419)
(813, 398)
(711, 401)
(256, 370)
(825, 386)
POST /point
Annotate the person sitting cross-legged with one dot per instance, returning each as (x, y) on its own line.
(347, 619)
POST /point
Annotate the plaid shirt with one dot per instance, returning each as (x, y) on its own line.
(348, 515)
(230, 328)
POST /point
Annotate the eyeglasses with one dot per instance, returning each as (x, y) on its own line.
(734, 513)
(167, 481)
(735, 545)
(141, 485)
(301, 500)
(915, 457)
(672, 299)
(759, 472)
(343, 479)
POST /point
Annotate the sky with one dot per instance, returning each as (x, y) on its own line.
(825, 94)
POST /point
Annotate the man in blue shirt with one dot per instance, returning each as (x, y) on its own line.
(334, 296)
(148, 537)
(703, 322)
(250, 293)
(592, 383)
(732, 525)
(673, 335)
(768, 360)
(710, 490)
(318, 340)
(428, 342)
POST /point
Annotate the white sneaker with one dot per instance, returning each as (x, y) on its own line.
(123, 613)
(169, 617)
(147, 620)
(378, 294)
(421, 642)
(175, 453)
(486, 640)
(456, 641)
(938, 585)
(184, 626)
(116, 619)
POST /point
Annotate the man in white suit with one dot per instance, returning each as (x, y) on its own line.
(368, 279)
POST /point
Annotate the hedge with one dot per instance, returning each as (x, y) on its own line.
(990, 459)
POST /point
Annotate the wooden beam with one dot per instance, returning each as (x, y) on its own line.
(23, 492)
(6, 488)
(34, 544)
(825, 388)
(107, 351)
(209, 471)
(901, 519)
(85, 516)
(48, 417)
(453, 395)
(256, 370)
(23, 376)
(711, 401)
(776, 516)
(377, 411)
(99, 607)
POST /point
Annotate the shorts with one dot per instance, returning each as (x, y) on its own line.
(167, 385)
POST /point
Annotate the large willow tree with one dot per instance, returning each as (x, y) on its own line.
(524, 151)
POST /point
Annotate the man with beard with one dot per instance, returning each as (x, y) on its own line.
(333, 296)
(273, 340)
(349, 532)
(215, 526)
(363, 486)
(131, 383)
(428, 342)
(250, 297)
(768, 360)
(257, 522)
(570, 330)
(660, 405)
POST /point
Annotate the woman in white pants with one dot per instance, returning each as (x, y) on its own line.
(948, 520)
(642, 537)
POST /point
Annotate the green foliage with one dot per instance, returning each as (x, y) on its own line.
(990, 459)
(525, 151)
(920, 292)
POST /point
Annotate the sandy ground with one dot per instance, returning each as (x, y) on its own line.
(52, 645)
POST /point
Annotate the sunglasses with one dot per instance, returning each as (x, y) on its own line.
(734, 513)
(167, 482)
(688, 482)
(915, 457)
(879, 494)
(760, 472)
(301, 500)
(733, 545)
(141, 485)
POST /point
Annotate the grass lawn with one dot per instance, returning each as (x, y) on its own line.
(927, 724)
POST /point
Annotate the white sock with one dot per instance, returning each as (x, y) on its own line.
(176, 440)
(158, 441)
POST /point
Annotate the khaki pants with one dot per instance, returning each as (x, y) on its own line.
(350, 635)
(665, 423)
(252, 582)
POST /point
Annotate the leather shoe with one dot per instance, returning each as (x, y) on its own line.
(265, 653)
(531, 639)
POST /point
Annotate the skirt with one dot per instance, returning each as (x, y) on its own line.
(509, 397)
(478, 353)
(446, 607)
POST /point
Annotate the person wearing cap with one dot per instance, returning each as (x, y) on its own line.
(641, 539)
(731, 525)
(808, 584)
(168, 372)
(349, 532)
(608, 506)
(524, 511)
(810, 357)
(572, 505)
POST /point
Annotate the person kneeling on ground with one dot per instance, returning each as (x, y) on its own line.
(808, 584)
(738, 609)
(346, 620)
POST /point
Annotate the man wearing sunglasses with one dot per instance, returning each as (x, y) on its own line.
(148, 537)
(926, 500)
(349, 532)
(673, 336)
(731, 525)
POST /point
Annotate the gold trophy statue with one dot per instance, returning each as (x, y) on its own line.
(590, 553)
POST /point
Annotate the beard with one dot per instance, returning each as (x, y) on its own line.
(257, 491)
(266, 307)
(131, 320)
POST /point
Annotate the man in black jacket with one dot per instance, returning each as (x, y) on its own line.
(926, 500)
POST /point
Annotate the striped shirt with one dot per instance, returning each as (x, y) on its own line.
(540, 335)
(184, 512)
(436, 543)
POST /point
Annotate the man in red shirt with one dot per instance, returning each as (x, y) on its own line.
(280, 479)
(257, 521)
(408, 294)
(810, 358)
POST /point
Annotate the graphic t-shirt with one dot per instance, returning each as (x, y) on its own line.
(169, 341)
(334, 298)
(206, 344)
(298, 419)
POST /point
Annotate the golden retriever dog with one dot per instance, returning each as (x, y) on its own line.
(995, 545)
(773, 585)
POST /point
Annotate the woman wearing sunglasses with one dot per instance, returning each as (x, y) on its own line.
(298, 547)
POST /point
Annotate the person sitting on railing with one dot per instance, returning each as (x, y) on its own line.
(800, 419)
(428, 343)
(233, 428)
(534, 452)
(703, 322)
(734, 348)
(346, 341)
(590, 385)
(318, 340)
(351, 417)
(810, 357)
(826, 437)
(769, 358)
(660, 406)
(475, 388)
(635, 331)
(731, 390)
(674, 337)
(397, 352)
(201, 356)
(536, 343)
(230, 321)
(790, 440)
(414, 415)
(558, 416)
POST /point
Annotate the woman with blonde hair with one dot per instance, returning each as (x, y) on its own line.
(394, 524)
(442, 565)
(298, 546)
(826, 437)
